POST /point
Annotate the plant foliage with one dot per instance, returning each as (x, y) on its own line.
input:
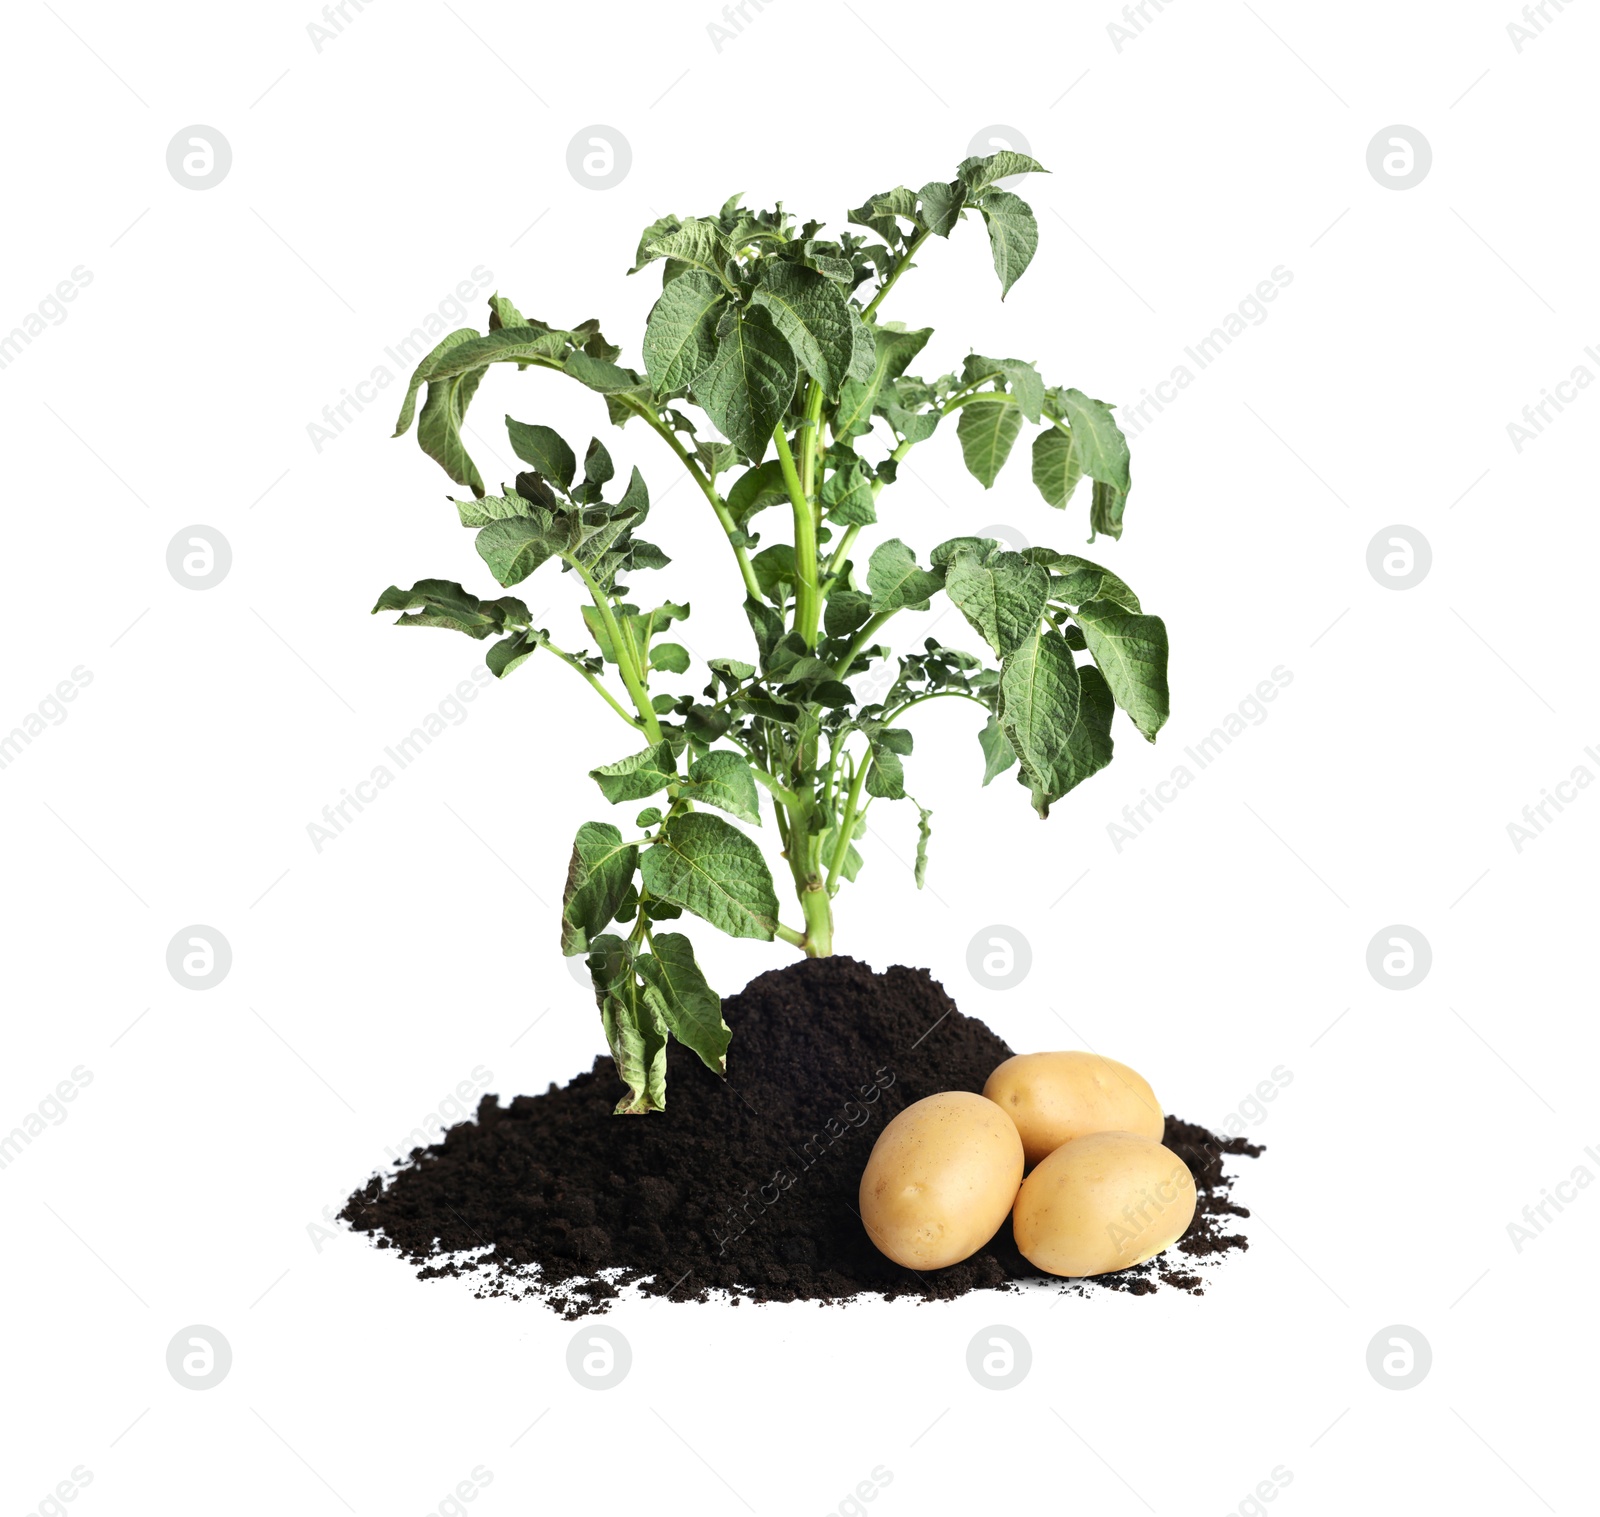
(769, 374)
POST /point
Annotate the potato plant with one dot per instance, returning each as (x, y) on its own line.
(771, 376)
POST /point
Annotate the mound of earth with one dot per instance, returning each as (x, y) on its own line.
(745, 1185)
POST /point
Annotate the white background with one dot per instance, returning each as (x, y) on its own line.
(371, 176)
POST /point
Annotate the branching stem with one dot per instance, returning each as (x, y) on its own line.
(847, 823)
(807, 601)
(571, 661)
(901, 265)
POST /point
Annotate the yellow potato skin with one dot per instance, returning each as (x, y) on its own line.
(940, 1180)
(1101, 1203)
(1054, 1097)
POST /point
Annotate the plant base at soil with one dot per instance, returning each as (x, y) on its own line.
(746, 1185)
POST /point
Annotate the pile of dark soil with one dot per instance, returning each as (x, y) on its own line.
(746, 1185)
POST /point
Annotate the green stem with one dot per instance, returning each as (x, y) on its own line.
(934, 695)
(841, 554)
(835, 753)
(725, 517)
(571, 661)
(900, 267)
(956, 402)
(812, 451)
(807, 602)
(818, 909)
(780, 791)
(958, 398)
(847, 823)
(622, 646)
(863, 637)
(789, 935)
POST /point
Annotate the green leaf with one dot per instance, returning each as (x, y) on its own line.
(813, 316)
(634, 1027)
(662, 226)
(658, 620)
(439, 426)
(505, 345)
(1056, 469)
(599, 632)
(893, 350)
(1076, 580)
(705, 724)
(881, 222)
(1026, 385)
(863, 347)
(939, 207)
(899, 202)
(1056, 717)
(1017, 377)
(1102, 449)
(977, 174)
(756, 489)
(599, 375)
(850, 866)
(592, 536)
(987, 430)
(1002, 596)
(793, 662)
(514, 548)
(1013, 235)
(443, 603)
(488, 508)
(1131, 652)
(953, 547)
(680, 337)
(691, 1009)
(598, 469)
(420, 374)
(619, 404)
(709, 867)
(544, 448)
(766, 626)
(510, 653)
(638, 775)
(698, 242)
(754, 704)
(847, 495)
(846, 612)
(887, 777)
(895, 579)
(503, 313)
(913, 424)
(1105, 512)
(998, 754)
(924, 831)
(599, 875)
(670, 658)
(712, 454)
(723, 779)
(775, 572)
(747, 388)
